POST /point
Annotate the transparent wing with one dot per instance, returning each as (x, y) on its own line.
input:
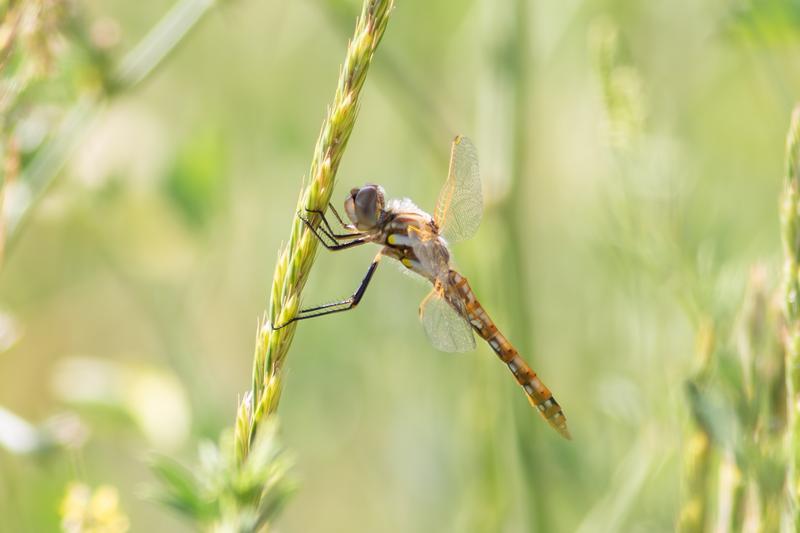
(447, 330)
(460, 204)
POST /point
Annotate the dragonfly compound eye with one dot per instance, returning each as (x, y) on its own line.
(350, 208)
(367, 204)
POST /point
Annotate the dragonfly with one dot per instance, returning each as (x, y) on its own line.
(450, 313)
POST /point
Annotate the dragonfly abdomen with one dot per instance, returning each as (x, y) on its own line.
(538, 393)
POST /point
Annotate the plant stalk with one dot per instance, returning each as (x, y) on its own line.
(296, 259)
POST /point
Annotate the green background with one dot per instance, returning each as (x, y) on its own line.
(626, 200)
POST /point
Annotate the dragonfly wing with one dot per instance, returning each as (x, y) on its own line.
(447, 330)
(460, 205)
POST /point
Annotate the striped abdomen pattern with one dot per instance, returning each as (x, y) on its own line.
(538, 394)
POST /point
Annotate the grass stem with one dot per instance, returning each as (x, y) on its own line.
(297, 257)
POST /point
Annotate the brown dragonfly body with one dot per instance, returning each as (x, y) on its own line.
(538, 393)
(450, 312)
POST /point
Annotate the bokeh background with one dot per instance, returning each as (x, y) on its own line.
(632, 155)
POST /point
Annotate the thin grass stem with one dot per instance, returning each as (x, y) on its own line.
(297, 257)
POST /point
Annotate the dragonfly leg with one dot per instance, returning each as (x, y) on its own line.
(337, 307)
(324, 228)
(329, 231)
(333, 247)
(336, 214)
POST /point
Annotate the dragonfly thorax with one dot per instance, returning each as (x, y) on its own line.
(364, 206)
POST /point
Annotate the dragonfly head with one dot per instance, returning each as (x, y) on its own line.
(364, 206)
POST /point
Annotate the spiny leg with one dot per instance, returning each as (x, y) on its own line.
(342, 223)
(319, 228)
(337, 307)
(327, 230)
(333, 247)
(336, 214)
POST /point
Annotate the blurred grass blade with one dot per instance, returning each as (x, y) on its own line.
(160, 41)
(180, 490)
(134, 68)
(40, 173)
(610, 512)
(790, 234)
(698, 453)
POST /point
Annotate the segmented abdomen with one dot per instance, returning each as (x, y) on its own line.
(538, 394)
